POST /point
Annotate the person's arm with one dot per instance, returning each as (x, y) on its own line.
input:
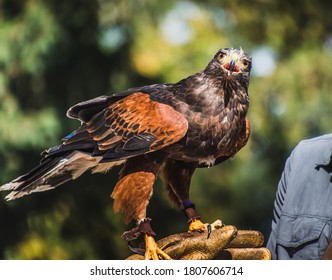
(278, 205)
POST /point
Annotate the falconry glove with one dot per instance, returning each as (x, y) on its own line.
(226, 243)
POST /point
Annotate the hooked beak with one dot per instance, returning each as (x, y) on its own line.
(232, 64)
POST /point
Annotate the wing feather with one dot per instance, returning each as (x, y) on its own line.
(130, 126)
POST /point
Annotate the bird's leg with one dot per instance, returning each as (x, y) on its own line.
(152, 251)
(195, 223)
(131, 196)
(177, 176)
(194, 219)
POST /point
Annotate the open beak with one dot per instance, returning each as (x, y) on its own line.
(232, 65)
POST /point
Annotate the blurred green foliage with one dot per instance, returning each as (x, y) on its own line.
(54, 54)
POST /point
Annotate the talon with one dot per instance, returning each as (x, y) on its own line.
(136, 250)
(209, 228)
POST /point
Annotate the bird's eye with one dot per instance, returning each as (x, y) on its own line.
(221, 55)
(245, 63)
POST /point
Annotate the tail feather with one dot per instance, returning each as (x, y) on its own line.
(54, 172)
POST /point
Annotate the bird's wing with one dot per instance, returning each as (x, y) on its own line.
(132, 125)
(112, 130)
(85, 110)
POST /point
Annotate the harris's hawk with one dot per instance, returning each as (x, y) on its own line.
(199, 121)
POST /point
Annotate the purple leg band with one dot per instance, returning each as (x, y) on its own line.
(188, 204)
(189, 210)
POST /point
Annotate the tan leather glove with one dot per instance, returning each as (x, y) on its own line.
(224, 243)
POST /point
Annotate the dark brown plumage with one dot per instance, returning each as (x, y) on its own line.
(173, 128)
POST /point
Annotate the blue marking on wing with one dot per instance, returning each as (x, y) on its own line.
(69, 136)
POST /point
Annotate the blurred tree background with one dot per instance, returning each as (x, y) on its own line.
(54, 54)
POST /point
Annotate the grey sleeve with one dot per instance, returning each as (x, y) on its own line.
(302, 220)
(278, 204)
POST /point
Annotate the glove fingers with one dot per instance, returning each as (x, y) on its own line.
(247, 239)
(198, 247)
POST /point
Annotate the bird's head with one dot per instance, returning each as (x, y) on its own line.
(232, 62)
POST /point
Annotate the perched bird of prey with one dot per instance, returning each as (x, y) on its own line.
(171, 129)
